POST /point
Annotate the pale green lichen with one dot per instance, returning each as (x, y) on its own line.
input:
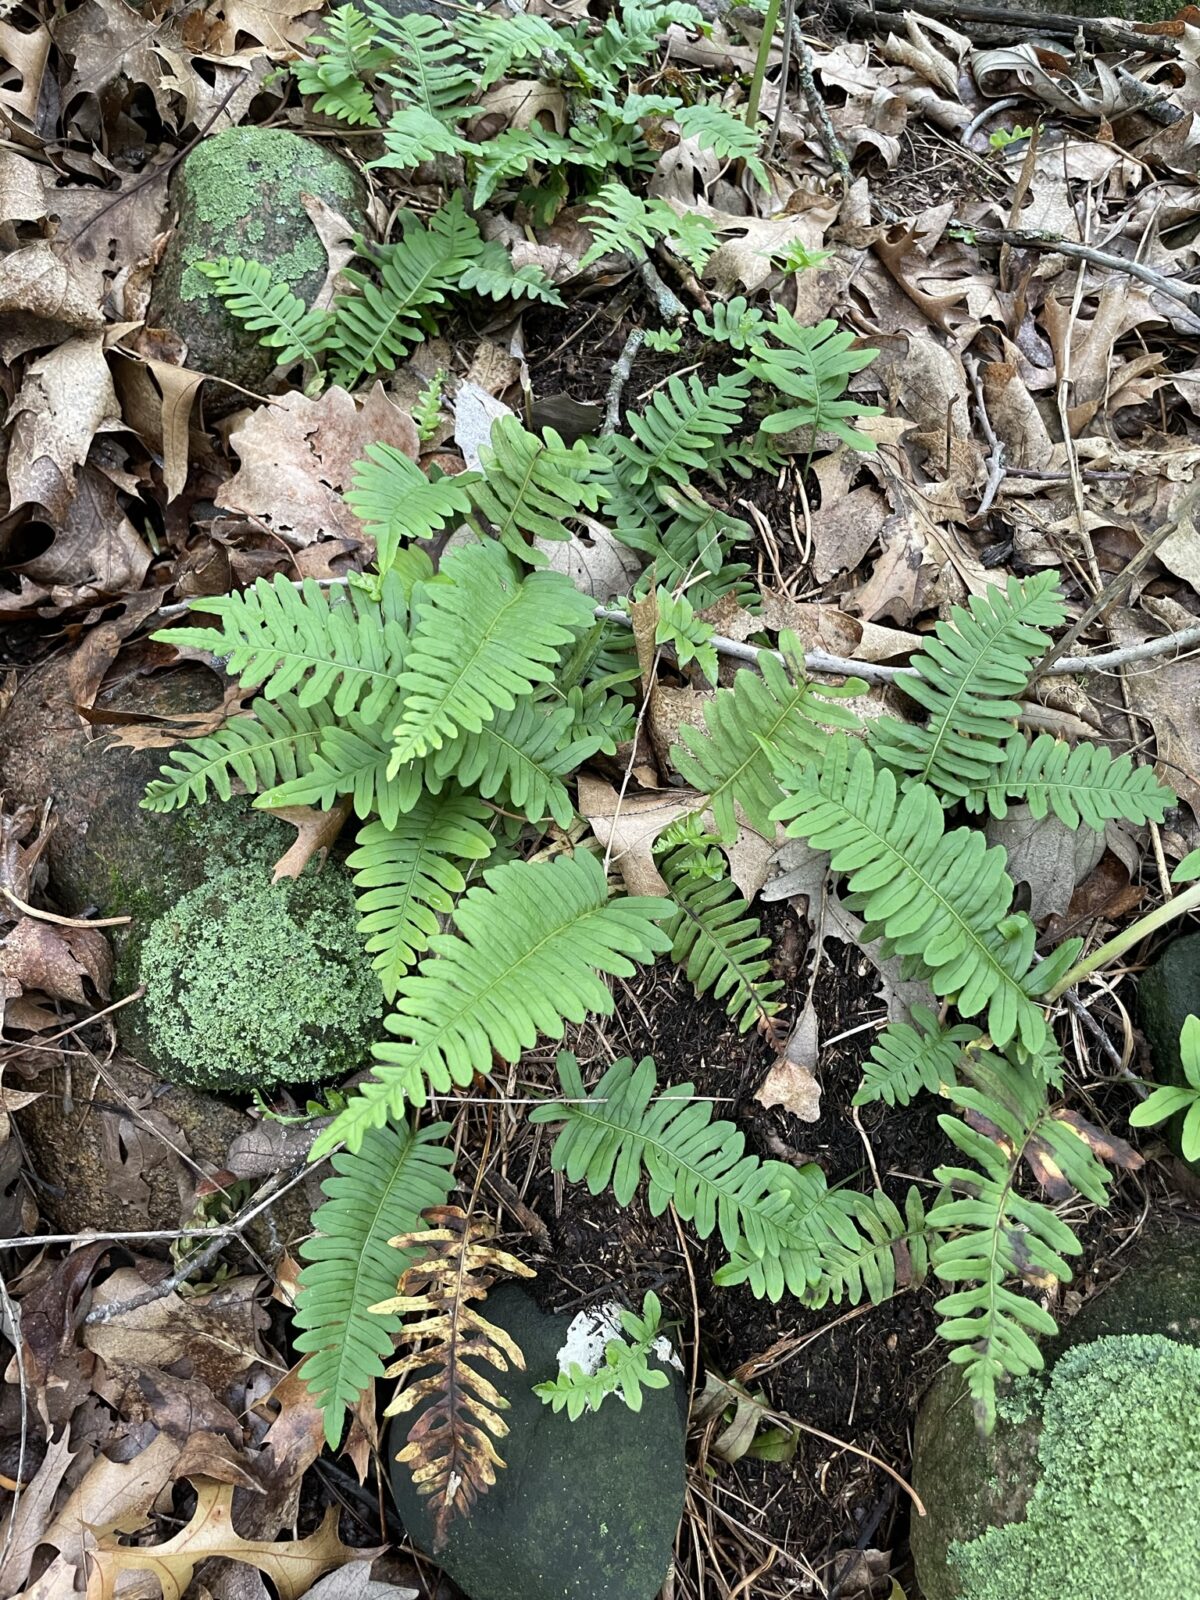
(1114, 1514)
(231, 177)
(250, 984)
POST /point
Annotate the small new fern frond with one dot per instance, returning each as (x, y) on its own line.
(414, 136)
(812, 366)
(485, 634)
(676, 434)
(725, 134)
(493, 276)
(1086, 784)
(330, 644)
(449, 1450)
(624, 1370)
(624, 221)
(342, 58)
(969, 678)
(719, 943)
(397, 503)
(428, 66)
(941, 897)
(282, 321)
(734, 322)
(531, 942)
(406, 877)
(909, 1057)
(531, 487)
(732, 762)
(375, 1193)
(274, 744)
(678, 625)
(991, 1233)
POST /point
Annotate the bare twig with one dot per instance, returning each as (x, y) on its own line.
(826, 132)
(785, 68)
(1107, 35)
(996, 464)
(620, 377)
(669, 306)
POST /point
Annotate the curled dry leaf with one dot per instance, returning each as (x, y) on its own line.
(628, 825)
(316, 831)
(1103, 98)
(55, 960)
(66, 399)
(791, 1082)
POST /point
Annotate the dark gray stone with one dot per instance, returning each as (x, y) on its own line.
(969, 1483)
(238, 194)
(1168, 993)
(583, 1510)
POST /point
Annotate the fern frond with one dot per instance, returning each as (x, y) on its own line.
(270, 309)
(504, 40)
(624, 221)
(942, 897)
(351, 758)
(532, 940)
(725, 134)
(342, 58)
(969, 678)
(336, 645)
(678, 625)
(893, 1253)
(449, 1450)
(406, 877)
(623, 1132)
(625, 1369)
(413, 137)
(732, 762)
(484, 636)
(429, 69)
(376, 1193)
(530, 488)
(813, 366)
(675, 435)
(1085, 784)
(734, 322)
(906, 1059)
(520, 759)
(493, 276)
(991, 1233)
(276, 743)
(376, 327)
(718, 943)
(510, 155)
(397, 503)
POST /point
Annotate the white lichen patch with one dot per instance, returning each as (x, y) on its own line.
(591, 1331)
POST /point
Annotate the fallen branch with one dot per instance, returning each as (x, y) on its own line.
(817, 110)
(1035, 239)
(1108, 36)
(620, 377)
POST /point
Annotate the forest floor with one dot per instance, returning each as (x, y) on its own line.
(1035, 301)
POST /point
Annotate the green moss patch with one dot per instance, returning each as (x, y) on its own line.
(250, 984)
(1114, 1512)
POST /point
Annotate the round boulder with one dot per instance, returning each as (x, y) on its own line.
(239, 194)
(583, 1510)
(1073, 1451)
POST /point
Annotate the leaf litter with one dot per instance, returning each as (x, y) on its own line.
(1015, 239)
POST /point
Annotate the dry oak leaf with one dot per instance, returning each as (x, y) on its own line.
(66, 399)
(24, 1522)
(296, 458)
(315, 833)
(270, 23)
(112, 1497)
(791, 1082)
(55, 960)
(627, 826)
(292, 1565)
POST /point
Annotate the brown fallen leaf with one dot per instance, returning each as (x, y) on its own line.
(297, 456)
(66, 399)
(270, 23)
(112, 1497)
(628, 826)
(316, 831)
(96, 551)
(791, 1082)
(26, 53)
(292, 1565)
(156, 398)
(55, 960)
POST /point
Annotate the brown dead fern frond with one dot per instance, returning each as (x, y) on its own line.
(450, 1451)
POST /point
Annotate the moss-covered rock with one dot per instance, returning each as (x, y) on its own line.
(238, 194)
(583, 1510)
(251, 984)
(1168, 993)
(1022, 1476)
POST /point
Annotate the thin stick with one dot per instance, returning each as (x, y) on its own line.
(620, 377)
(1096, 31)
(1036, 239)
(1189, 900)
(826, 132)
(62, 922)
(785, 67)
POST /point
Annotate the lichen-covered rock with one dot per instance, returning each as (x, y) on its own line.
(1061, 1459)
(583, 1510)
(1168, 993)
(251, 984)
(239, 194)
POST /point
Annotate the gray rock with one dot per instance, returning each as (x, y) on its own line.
(583, 1510)
(1169, 992)
(969, 1483)
(426, 8)
(238, 194)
